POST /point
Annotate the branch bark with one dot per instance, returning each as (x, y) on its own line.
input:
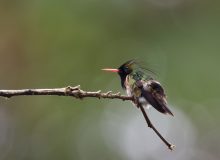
(76, 92)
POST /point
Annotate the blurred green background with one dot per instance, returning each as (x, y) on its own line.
(50, 43)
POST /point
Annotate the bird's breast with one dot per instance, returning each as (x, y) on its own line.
(133, 90)
(128, 90)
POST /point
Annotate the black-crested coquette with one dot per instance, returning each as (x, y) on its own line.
(138, 83)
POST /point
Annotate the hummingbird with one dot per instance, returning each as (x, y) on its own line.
(145, 90)
(140, 85)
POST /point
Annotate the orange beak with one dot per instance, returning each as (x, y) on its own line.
(111, 70)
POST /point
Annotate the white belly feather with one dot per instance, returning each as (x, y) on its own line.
(143, 101)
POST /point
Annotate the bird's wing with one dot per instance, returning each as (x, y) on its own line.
(153, 92)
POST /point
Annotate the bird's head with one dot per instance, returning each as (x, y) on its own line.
(125, 69)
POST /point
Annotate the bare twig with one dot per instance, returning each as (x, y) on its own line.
(149, 123)
(76, 92)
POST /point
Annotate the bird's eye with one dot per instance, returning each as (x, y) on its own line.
(126, 69)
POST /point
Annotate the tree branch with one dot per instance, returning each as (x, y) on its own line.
(76, 92)
(66, 91)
